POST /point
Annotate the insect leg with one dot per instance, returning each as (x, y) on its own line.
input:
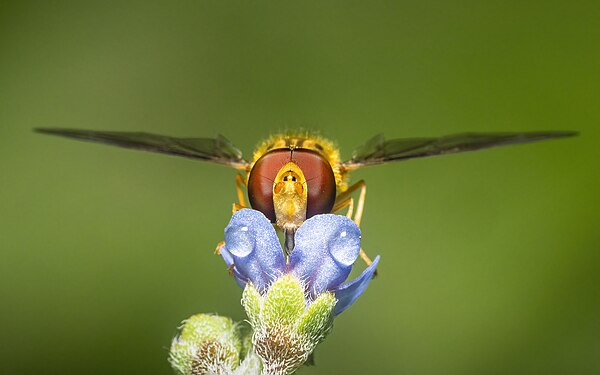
(342, 200)
(366, 259)
(240, 185)
(236, 207)
(219, 246)
(348, 202)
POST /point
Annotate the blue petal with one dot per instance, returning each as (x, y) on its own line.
(229, 261)
(326, 246)
(253, 247)
(226, 256)
(349, 292)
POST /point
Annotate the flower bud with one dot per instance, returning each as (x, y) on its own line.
(207, 344)
(287, 326)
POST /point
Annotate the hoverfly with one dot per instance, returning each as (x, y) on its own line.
(292, 177)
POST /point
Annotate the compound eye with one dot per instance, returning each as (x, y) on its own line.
(320, 181)
(262, 177)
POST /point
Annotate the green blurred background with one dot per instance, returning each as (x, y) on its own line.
(490, 260)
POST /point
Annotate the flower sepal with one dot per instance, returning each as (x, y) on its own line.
(287, 325)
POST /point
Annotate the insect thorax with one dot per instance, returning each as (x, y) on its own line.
(305, 140)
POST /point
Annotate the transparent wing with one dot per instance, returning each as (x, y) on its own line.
(378, 150)
(218, 150)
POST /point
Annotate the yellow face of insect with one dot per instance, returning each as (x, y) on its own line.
(290, 196)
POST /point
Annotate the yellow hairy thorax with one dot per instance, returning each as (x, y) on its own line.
(306, 140)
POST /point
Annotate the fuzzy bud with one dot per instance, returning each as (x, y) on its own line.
(207, 344)
(287, 325)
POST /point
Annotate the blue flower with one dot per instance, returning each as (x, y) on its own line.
(326, 246)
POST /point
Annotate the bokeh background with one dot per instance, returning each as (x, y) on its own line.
(490, 260)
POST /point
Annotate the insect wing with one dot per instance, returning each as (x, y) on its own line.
(218, 150)
(378, 150)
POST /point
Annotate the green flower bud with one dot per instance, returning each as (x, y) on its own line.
(287, 326)
(207, 344)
